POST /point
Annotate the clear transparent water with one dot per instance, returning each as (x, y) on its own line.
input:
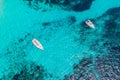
(58, 39)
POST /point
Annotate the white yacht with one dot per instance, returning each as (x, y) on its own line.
(37, 44)
(90, 24)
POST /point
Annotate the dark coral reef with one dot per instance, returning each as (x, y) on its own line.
(74, 5)
(80, 70)
(107, 66)
(18, 67)
(30, 72)
(111, 24)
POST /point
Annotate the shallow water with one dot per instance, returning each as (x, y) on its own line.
(63, 37)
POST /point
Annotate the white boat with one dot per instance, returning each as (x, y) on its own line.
(90, 24)
(37, 44)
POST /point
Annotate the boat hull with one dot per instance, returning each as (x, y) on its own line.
(37, 44)
(90, 24)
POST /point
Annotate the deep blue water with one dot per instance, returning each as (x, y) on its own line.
(60, 27)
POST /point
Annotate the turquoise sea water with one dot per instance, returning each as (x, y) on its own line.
(62, 39)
